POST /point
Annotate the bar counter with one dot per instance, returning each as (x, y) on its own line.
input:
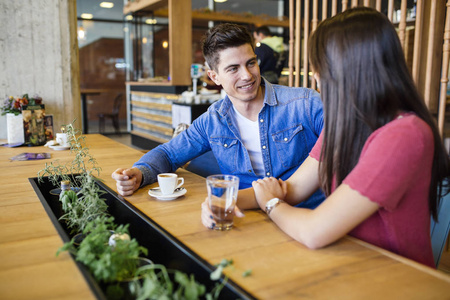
(281, 267)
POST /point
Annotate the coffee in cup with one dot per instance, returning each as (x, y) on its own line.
(168, 182)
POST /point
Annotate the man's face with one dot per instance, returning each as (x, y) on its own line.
(238, 73)
(258, 37)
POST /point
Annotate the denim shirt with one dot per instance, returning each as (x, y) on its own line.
(290, 122)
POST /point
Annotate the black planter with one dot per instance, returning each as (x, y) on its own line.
(163, 248)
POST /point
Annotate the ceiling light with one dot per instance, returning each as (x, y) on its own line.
(151, 21)
(86, 16)
(107, 4)
(220, 1)
(165, 44)
(129, 18)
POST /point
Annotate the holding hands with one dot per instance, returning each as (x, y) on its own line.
(268, 188)
(263, 190)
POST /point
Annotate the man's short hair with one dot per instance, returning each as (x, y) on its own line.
(221, 37)
(264, 30)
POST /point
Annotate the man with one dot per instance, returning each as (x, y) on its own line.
(257, 130)
(270, 52)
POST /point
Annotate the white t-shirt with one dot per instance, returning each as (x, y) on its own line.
(249, 131)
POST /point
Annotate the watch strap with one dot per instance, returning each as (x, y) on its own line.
(269, 208)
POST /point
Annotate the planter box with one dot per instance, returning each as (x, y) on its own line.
(163, 248)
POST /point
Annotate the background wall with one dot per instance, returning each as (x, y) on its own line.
(39, 55)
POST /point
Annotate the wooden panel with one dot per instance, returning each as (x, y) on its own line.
(146, 5)
(156, 95)
(153, 105)
(180, 41)
(154, 117)
(150, 137)
(152, 127)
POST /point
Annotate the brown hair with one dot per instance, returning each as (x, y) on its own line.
(221, 37)
(364, 83)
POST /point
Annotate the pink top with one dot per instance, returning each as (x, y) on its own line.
(394, 171)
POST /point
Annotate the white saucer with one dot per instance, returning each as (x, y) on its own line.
(156, 192)
(60, 147)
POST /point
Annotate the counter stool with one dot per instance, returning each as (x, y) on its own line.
(114, 116)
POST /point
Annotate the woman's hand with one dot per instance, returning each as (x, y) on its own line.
(268, 188)
(207, 216)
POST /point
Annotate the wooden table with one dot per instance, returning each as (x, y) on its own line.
(282, 268)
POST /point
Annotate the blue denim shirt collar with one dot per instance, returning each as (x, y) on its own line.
(269, 99)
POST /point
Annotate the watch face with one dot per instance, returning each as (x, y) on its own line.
(272, 202)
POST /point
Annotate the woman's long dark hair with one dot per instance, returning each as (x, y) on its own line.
(365, 83)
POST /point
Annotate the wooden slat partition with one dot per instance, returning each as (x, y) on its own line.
(344, 4)
(314, 26)
(420, 40)
(305, 44)
(417, 39)
(298, 33)
(378, 5)
(334, 8)
(444, 80)
(324, 9)
(390, 14)
(291, 41)
(402, 25)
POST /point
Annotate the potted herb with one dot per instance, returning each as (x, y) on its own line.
(111, 256)
(86, 204)
(79, 170)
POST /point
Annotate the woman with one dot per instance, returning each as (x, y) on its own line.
(379, 159)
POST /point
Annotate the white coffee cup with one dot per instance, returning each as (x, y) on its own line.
(61, 139)
(168, 182)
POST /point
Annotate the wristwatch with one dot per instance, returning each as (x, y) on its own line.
(271, 204)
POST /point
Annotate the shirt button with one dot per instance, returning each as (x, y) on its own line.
(225, 145)
(249, 171)
(268, 173)
(285, 139)
(264, 147)
(262, 120)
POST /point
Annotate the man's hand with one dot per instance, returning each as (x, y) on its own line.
(127, 180)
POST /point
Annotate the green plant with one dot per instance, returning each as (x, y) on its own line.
(84, 206)
(154, 282)
(87, 203)
(108, 263)
(115, 265)
(77, 171)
